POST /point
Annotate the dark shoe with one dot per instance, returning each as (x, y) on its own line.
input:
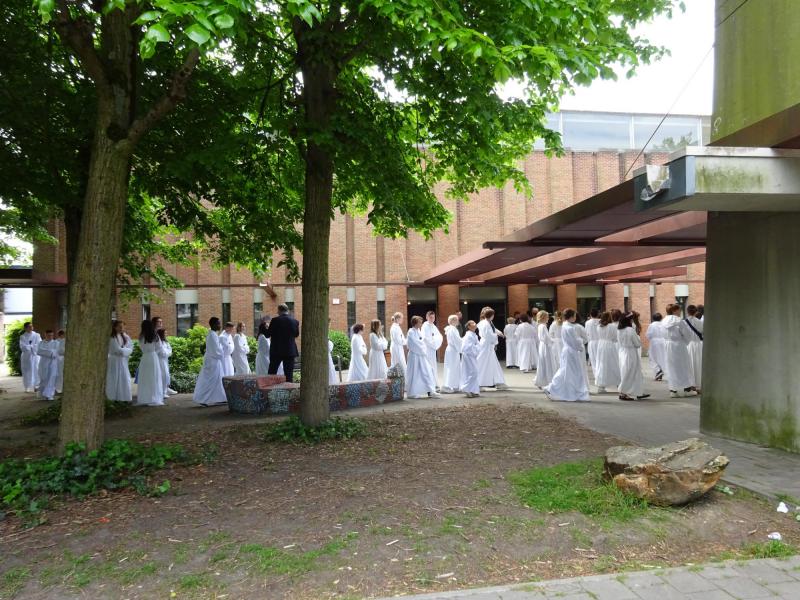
(660, 377)
(643, 396)
(624, 397)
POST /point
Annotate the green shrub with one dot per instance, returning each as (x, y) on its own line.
(27, 485)
(13, 353)
(252, 343)
(187, 351)
(292, 429)
(196, 365)
(135, 358)
(183, 383)
(341, 347)
(51, 414)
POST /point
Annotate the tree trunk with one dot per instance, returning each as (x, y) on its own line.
(319, 102)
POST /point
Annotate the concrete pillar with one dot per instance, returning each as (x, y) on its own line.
(751, 383)
(517, 298)
(566, 296)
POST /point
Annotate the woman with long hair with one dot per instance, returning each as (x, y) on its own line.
(470, 347)
(490, 373)
(570, 383)
(398, 342)
(150, 391)
(631, 385)
(377, 346)
(241, 348)
(527, 341)
(607, 374)
(118, 375)
(555, 334)
(547, 360)
(164, 352)
(262, 354)
(358, 352)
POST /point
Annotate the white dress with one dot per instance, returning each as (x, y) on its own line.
(696, 350)
(396, 349)
(547, 360)
(163, 360)
(630, 365)
(208, 390)
(452, 360)
(470, 347)
(607, 373)
(226, 343)
(150, 390)
(591, 332)
(512, 359)
(433, 341)
(679, 365)
(569, 383)
(490, 373)
(377, 358)
(419, 376)
(332, 377)
(555, 333)
(62, 346)
(48, 368)
(240, 351)
(658, 351)
(118, 375)
(262, 356)
(527, 343)
(29, 359)
(358, 366)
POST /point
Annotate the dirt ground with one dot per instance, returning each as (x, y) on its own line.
(421, 504)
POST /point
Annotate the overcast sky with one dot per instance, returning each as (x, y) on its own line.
(688, 36)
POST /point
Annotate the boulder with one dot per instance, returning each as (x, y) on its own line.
(668, 475)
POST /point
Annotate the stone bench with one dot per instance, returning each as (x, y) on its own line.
(271, 395)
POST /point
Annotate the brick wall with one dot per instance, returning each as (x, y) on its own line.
(566, 296)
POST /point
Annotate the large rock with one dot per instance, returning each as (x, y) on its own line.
(669, 475)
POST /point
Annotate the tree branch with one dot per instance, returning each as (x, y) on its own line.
(165, 105)
(78, 36)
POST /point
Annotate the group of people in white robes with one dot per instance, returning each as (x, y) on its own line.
(526, 345)
(683, 351)
(42, 361)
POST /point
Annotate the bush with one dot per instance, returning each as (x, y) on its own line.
(135, 358)
(293, 430)
(186, 350)
(341, 347)
(13, 354)
(51, 414)
(251, 355)
(183, 383)
(27, 485)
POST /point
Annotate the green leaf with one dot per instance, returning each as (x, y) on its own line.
(198, 34)
(147, 16)
(45, 9)
(223, 21)
(158, 33)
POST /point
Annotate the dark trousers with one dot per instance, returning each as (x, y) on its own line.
(288, 366)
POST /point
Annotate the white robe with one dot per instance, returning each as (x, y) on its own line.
(377, 358)
(490, 373)
(452, 360)
(569, 383)
(607, 373)
(470, 347)
(29, 359)
(555, 333)
(658, 351)
(226, 344)
(208, 390)
(163, 360)
(332, 376)
(358, 366)
(118, 375)
(679, 365)
(547, 360)
(396, 349)
(62, 346)
(240, 351)
(512, 359)
(630, 365)
(420, 380)
(150, 390)
(696, 350)
(433, 341)
(527, 342)
(48, 368)
(591, 332)
(262, 358)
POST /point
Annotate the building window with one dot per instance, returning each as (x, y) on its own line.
(290, 306)
(187, 317)
(145, 312)
(258, 314)
(226, 312)
(382, 312)
(351, 308)
(596, 131)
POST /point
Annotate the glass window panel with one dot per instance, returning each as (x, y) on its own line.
(258, 308)
(674, 134)
(594, 131)
(226, 312)
(382, 312)
(186, 317)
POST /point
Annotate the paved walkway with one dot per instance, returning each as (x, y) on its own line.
(777, 579)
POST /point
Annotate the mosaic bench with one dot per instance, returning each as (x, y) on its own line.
(253, 395)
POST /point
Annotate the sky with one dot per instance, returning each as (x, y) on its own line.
(689, 36)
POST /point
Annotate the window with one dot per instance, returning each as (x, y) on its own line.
(290, 306)
(595, 131)
(382, 312)
(145, 312)
(226, 312)
(258, 314)
(674, 133)
(187, 317)
(351, 308)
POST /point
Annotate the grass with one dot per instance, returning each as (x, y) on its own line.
(770, 549)
(13, 581)
(51, 414)
(267, 560)
(576, 487)
(79, 571)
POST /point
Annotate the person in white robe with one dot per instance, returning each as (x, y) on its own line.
(62, 347)
(570, 383)
(150, 388)
(397, 349)
(527, 342)
(208, 390)
(607, 373)
(332, 375)
(420, 380)
(452, 357)
(164, 353)
(433, 341)
(48, 365)
(695, 345)
(118, 374)
(547, 361)
(377, 346)
(358, 353)
(490, 373)
(679, 365)
(470, 348)
(262, 355)
(241, 348)
(592, 323)
(512, 360)
(555, 333)
(29, 360)
(631, 385)
(657, 352)
(226, 343)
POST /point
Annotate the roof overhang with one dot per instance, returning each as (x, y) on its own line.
(26, 277)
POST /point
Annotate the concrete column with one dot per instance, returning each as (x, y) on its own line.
(751, 383)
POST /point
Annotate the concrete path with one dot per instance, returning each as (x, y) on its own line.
(777, 579)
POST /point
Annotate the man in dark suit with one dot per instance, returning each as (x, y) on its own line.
(282, 332)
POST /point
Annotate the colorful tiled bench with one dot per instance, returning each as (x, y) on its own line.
(271, 395)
